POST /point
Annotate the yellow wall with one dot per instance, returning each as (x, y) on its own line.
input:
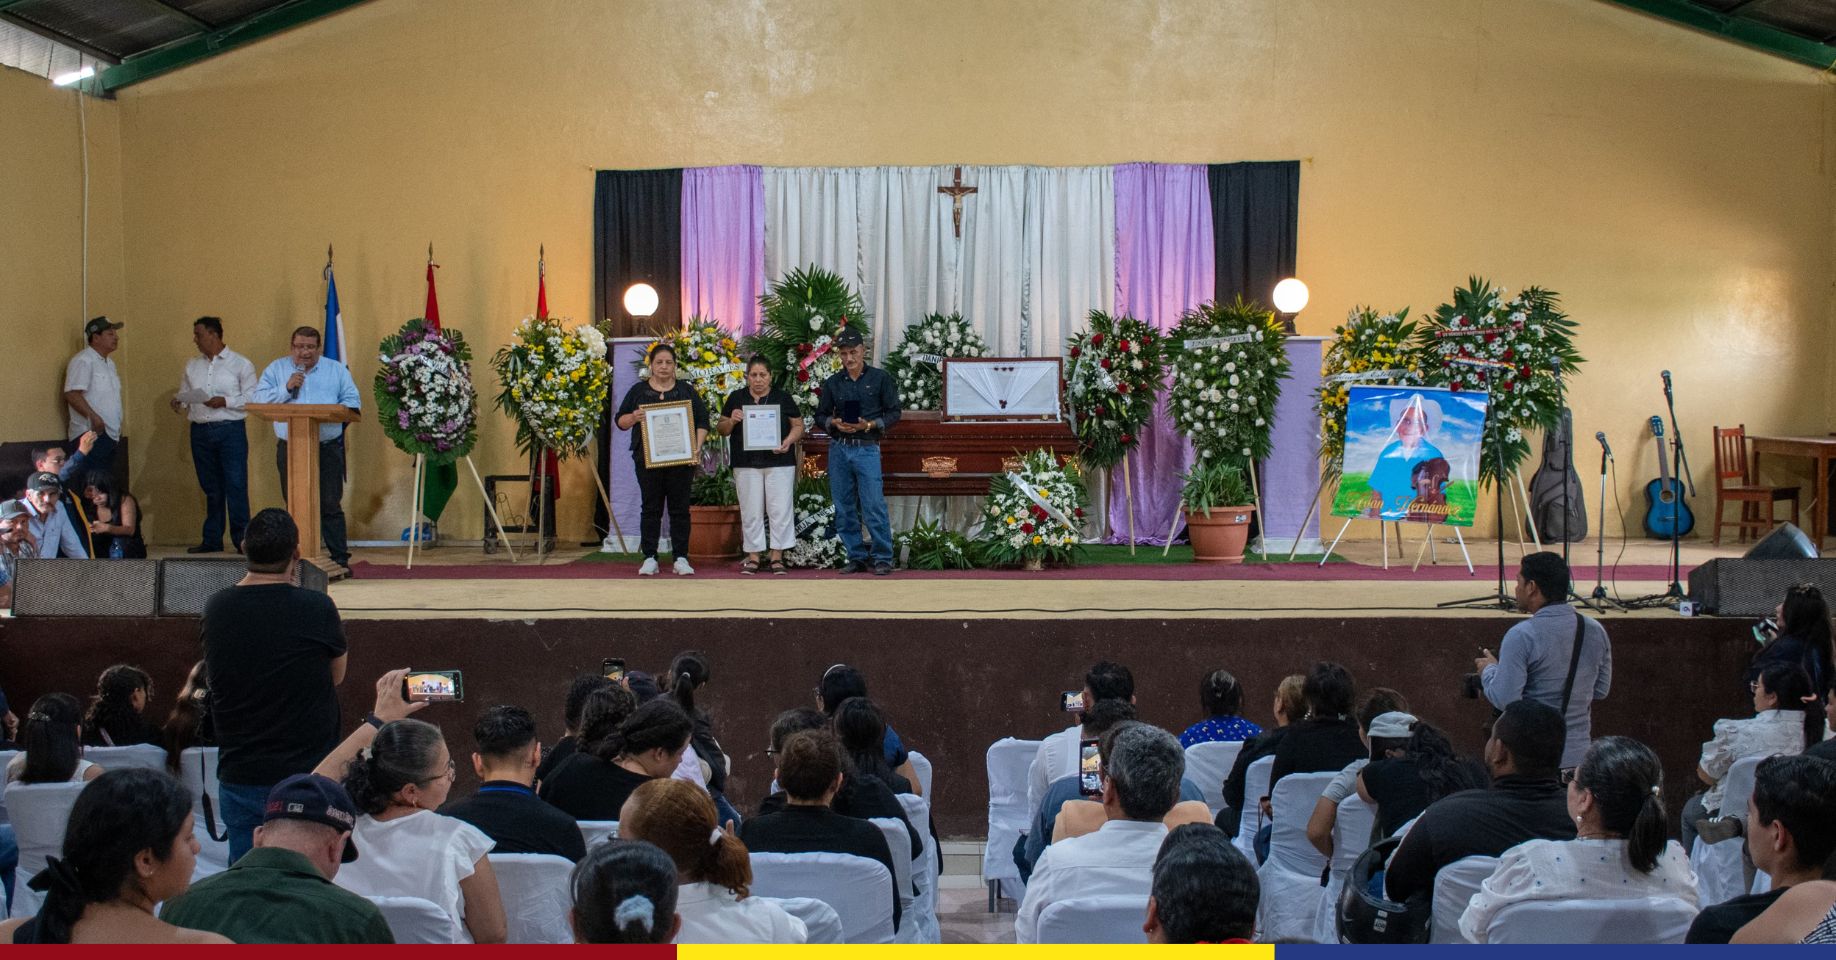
(1674, 188)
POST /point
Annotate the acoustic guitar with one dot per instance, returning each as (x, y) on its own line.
(1666, 510)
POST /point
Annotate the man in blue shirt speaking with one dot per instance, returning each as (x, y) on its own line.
(304, 376)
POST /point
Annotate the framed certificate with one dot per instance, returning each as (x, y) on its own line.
(669, 434)
(762, 425)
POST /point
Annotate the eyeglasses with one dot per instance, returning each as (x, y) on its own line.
(1570, 776)
(1753, 685)
(452, 772)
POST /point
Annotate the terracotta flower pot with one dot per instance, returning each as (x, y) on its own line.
(1221, 537)
(714, 533)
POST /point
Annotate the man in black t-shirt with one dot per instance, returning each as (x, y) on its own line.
(274, 654)
(1791, 831)
(505, 807)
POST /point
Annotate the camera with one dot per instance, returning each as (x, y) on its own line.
(1471, 686)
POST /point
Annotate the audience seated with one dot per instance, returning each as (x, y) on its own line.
(1290, 705)
(594, 783)
(1387, 734)
(1221, 696)
(282, 891)
(1526, 802)
(862, 795)
(188, 725)
(1826, 749)
(810, 771)
(1327, 738)
(116, 716)
(1782, 713)
(1400, 787)
(52, 744)
(713, 867)
(1803, 639)
(841, 683)
(860, 727)
(15, 542)
(577, 691)
(688, 673)
(1099, 719)
(1204, 889)
(114, 519)
(1620, 852)
(128, 847)
(1140, 784)
(1077, 817)
(399, 774)
(1791, 819)
(1057, 756)
(1805, 913)
(624, 892)
(505, 807)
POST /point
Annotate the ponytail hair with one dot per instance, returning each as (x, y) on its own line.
(1625, 778)
(600, 716)
(1792, 686)
(111, 709)
(624, 892)
(687, 672)
(51, 739)
(657, 725)
(1441, 769)
(402, 753)
(1220, 694)
(680, 818)
(118, 815)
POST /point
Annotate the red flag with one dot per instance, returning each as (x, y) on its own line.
(554, 462)
(432, 313)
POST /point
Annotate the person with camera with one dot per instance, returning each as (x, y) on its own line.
(1558, 656)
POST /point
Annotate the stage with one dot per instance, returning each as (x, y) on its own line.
(958, 660)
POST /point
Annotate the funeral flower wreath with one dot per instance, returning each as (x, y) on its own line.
(1033, 513)
(554, 384)
(1228, 362)
(1117, 365)
(800, 317)
(1368, 349)
(424, 394)
(916, 364)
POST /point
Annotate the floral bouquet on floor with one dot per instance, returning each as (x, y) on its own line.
(916, 364)
(1033, 516)
(1517, 350)
(799, 318)
(1368, 349)
(1117, 366)
(1228, 362)
(819, 545)
(424, 394)
(555, 382)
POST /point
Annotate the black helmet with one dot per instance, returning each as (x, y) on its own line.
(1366, 917)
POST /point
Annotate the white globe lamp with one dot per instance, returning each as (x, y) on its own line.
(641, 300)
(1290, 296)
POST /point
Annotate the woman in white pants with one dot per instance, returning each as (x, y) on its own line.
(765, 476)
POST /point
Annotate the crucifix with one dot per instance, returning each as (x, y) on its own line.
(956, 192)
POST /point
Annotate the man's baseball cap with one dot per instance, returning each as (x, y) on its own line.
(13, 508)
(310, 797)
(1394, 725)
(849, 337)
(45, 480)
(98, 325)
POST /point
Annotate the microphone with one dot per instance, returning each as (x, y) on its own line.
(1666, 376)
(294, 394)
(1600, 435)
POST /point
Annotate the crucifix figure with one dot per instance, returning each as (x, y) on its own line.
(956, 192)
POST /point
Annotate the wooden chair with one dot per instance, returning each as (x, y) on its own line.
(1734, 481)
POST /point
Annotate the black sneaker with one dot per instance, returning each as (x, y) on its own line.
(854, 566)
(882, 569)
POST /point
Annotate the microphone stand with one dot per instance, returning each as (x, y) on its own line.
(1498, 599)
(1680, 458)
(1599, 597)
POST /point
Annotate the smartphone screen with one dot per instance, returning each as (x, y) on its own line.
(851, 411)
(613, 668)
(442, 686)
(1089, 769)
(1071, 701)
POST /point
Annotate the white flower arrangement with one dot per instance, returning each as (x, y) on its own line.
(916, 365)
(1017, 528)
(1228, 363)
(554, 384)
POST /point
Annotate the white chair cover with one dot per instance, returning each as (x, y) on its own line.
(1108, 919)
(414, 920)
(6, 757)
(198, 770)
(859, 889)
(1721, 870)
(40, 811)
(818, 918)
(1008, 814)
(1255, 785)
(1641, 921)
(921, 765)
(537, 895)
(144, 755)
(925, 928)
(1291, 877)
(1207, 764)
(1351, 836)
(899, 843)
(1454, 887)
(593, 831)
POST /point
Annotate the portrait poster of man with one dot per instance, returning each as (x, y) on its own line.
(1411, 454)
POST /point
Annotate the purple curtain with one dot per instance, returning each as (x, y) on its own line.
(1165, 264)
(723, 245)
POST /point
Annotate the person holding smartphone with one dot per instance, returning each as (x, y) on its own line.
(766, 479)
(858, 405)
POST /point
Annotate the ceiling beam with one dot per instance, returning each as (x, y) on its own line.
(198, 24)
(1740, 30)
(189, 50)
(92, 52)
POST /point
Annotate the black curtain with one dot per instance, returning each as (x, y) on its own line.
(637, 237)
(1255, 211)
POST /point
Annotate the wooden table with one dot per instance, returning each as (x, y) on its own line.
(1821, 451)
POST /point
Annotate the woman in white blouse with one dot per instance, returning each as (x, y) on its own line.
(1781, 699)
(398, 771)
(1620, 853)
(712, 865)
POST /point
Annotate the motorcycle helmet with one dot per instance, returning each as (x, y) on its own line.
(1368, 917)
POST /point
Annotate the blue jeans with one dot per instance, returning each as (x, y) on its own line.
(240, 808)
(220, 454)
(854, 471)
(101, 456)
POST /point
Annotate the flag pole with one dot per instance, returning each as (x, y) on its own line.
(542, 506)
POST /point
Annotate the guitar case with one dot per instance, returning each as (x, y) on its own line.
(1552, 524)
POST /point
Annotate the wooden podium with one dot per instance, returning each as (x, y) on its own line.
(302, 420)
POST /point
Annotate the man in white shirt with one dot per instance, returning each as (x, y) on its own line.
(216, 387)
(1142, 767)
(92, 391)
(305, 376)
(1057, 756)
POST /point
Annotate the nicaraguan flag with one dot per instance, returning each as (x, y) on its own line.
(334, 319)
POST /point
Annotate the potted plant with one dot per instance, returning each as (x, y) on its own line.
(1218, 510)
